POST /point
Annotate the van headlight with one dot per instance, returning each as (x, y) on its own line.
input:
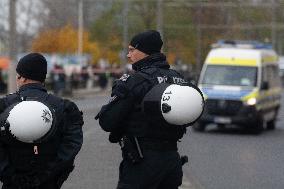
(251, 101)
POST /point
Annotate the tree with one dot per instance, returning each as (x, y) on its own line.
(64, 41)
(27, 14)
(58, 13)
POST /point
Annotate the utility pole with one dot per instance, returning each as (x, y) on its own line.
(273, 28)
(125, 31)
(80, 30)
(160, 17)
(199, 38)
(12, 47)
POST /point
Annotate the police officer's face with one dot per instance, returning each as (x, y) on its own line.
(18, 81)
(134, 55)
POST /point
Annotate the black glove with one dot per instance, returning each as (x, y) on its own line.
(103, 109)
(184, 160)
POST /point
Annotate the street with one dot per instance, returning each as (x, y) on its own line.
(229, 158)
(232, 50)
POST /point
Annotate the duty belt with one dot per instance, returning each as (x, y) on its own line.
(158, 145)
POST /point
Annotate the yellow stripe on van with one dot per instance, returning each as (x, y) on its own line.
(232, 61)
(253, 94)
(270, 59)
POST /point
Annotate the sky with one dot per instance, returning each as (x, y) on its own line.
(26, 14)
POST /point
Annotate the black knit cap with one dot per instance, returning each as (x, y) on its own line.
(32, 66)
(149, 42)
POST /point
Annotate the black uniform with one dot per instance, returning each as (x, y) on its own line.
(49, 167)
(149, 145)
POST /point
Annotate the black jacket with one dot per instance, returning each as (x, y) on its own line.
(123, 113)
(57, 153)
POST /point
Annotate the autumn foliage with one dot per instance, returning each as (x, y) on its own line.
(65, 41)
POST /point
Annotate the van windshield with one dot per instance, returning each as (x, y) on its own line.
(230, 75)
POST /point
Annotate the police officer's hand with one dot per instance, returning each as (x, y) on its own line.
(103, 109)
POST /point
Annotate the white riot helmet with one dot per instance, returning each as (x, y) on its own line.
(176, 104)
(30, 121)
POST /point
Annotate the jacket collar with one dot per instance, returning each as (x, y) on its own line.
(36, 86)
(154, 60)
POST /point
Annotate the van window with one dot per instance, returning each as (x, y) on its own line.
(277, 80)
(264, 74)
(230, 75)
(270, 74)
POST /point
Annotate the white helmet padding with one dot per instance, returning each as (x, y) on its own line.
(30, 121)
(176, 104)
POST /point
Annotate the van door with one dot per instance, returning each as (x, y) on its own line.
(269, 92)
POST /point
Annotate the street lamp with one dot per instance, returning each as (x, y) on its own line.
(80, 30)
(12, 47)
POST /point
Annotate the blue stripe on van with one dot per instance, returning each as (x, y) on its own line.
(225, 94)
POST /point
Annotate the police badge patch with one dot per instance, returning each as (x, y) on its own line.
(113, 98)
(46, 116)
(124, 77)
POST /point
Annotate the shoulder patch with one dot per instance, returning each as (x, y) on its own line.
(124, 77)
(113, 98)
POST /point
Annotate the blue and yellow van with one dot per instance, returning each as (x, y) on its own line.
(241, 85)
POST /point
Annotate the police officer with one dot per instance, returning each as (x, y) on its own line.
(42, 164)
(149, 145)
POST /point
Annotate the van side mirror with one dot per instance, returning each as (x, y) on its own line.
(264, 85)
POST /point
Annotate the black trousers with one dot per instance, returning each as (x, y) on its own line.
(158, 170)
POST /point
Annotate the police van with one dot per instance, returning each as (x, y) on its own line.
(241, 84)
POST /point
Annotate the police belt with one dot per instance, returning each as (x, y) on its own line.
(158, 145)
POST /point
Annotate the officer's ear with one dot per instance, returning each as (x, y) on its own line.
(19, 77)
(24, 79)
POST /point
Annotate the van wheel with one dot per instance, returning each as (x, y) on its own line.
(259, 127)
(200, 127)
(270, 125)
